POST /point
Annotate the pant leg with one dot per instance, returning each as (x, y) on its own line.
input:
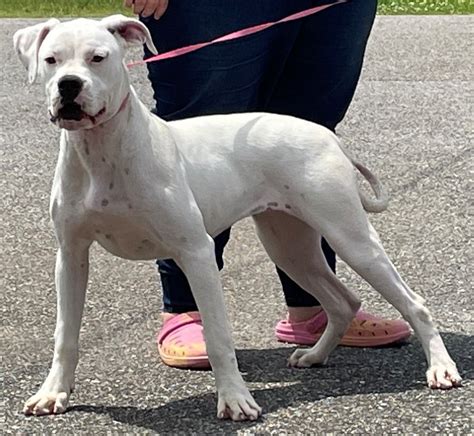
(177, 295)
(318, 84)
(229, 77)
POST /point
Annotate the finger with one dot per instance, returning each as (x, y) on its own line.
(138, 6)
(161, 9)
(149, 8)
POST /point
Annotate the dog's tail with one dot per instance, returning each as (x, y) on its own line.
(380, 203)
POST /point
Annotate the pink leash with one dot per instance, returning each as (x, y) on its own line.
(234, 35)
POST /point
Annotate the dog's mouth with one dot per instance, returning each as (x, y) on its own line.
(72, 111)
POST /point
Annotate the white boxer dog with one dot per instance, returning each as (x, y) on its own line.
(145, 188)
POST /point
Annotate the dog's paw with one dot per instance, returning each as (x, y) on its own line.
(47, 402)
(443, 376)
(305, 358)
(237, 405)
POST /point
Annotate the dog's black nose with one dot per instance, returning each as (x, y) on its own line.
(69, 87)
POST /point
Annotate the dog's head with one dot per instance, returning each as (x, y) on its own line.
(81, 63)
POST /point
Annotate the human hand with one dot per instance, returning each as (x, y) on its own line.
(145, 8)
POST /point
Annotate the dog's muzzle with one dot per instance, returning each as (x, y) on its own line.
(69, 88)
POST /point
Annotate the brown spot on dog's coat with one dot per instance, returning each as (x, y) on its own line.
(286, 186)
(287, 206)
(130, 206)
(105, 202)
(127, 171)
(111, 186)
(103, 159)
(108, 236)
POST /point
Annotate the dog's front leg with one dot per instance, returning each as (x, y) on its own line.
(71, 280)
(234, 399)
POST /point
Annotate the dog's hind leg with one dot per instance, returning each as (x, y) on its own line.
(296, 249)
(343, 222)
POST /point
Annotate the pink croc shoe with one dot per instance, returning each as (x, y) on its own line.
(181, 342)
(365, 330)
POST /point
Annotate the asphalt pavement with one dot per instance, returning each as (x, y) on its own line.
(410, 121)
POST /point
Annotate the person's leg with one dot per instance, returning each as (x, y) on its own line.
(318, 84)
(225, 78)
(229, 77)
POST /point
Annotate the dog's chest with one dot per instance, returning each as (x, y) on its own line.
(128, 240)
(116, 215)
(109, 197)
(108, 194)
(110, 184)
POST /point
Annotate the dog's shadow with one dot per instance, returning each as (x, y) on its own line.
(350, 372)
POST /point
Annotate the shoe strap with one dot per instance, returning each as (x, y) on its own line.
(177, 322)
(317, 322)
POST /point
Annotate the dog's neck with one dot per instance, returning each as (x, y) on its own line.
(108, 142)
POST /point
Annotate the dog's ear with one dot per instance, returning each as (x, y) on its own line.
(131, 30)
(27, 43)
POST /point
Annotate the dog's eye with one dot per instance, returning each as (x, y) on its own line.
(98, 58)
(50, 60)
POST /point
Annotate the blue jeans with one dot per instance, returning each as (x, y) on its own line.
(308, 69)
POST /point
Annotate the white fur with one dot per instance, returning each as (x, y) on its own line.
(144, 188)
